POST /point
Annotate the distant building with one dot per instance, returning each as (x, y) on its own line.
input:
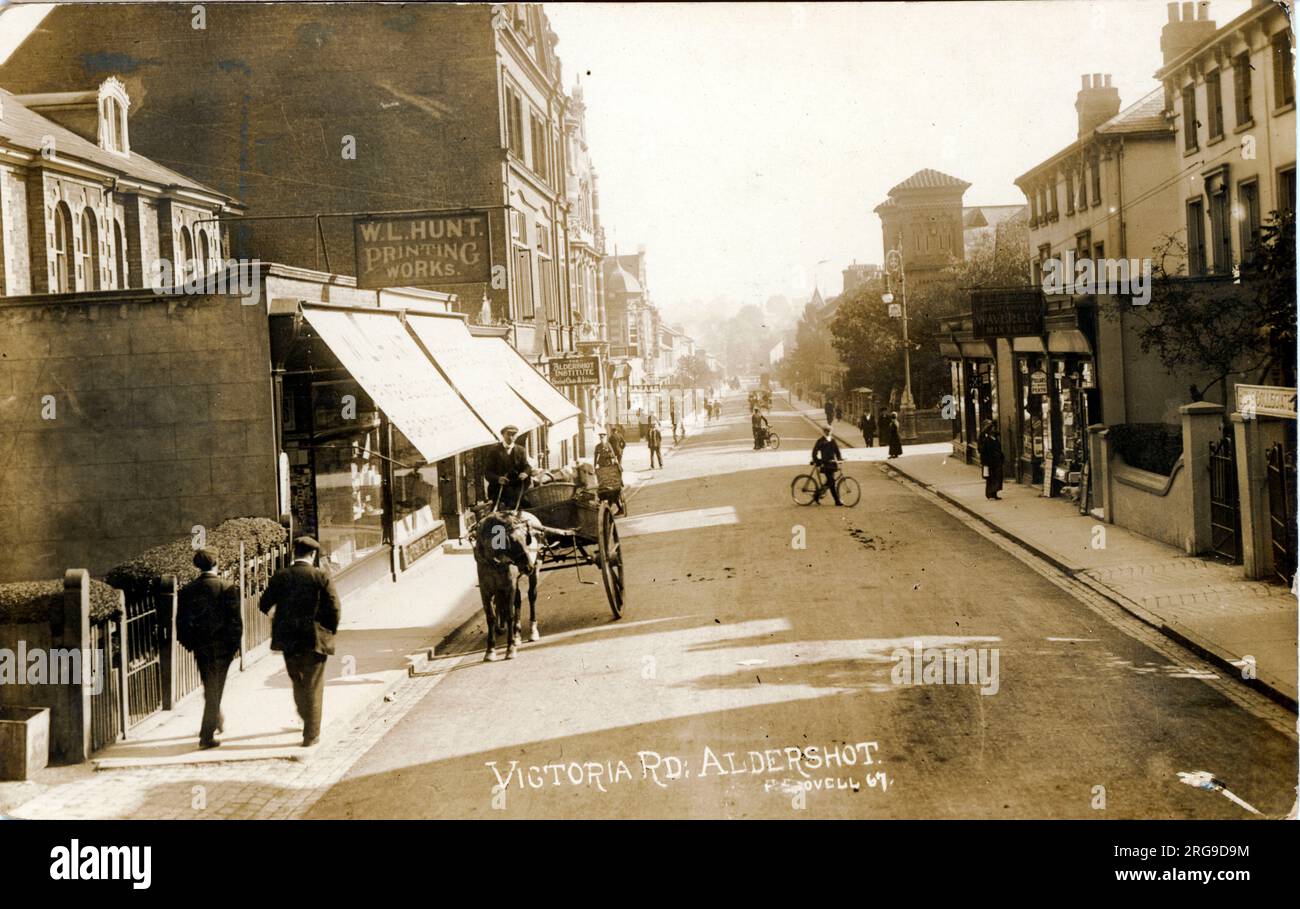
(856, 275)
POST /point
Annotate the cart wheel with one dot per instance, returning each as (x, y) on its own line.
(611, 560)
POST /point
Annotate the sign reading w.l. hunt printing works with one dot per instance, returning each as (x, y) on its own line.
(410, 250)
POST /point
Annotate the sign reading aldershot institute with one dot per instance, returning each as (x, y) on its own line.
(575, 371)
(411, 250)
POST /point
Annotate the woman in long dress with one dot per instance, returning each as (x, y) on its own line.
(892, 437)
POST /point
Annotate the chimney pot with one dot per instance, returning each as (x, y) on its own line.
(1107, 78)
(1173, 11)
(1087, 82)
(1096, 80)
(1203, 10)
(1188, 15)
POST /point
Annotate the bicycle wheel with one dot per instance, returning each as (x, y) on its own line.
(773, 441)
(850, 492)
(804, 489)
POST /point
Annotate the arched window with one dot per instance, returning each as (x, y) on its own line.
(119, 255)
(89, 250)
(64, 267)
(201, 249)
(187, 255)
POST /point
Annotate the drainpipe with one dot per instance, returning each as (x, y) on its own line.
(1119, 180)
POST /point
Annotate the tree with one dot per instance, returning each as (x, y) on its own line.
(693, 371)
(1245, 326)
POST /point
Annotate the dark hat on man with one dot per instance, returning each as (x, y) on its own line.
(306, 543)
(205, 559)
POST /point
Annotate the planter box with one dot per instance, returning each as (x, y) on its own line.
(24, 741)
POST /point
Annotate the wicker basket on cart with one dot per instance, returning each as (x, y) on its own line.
(609, 478)
(553, 504)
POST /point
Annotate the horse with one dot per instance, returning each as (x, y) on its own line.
(506, 548)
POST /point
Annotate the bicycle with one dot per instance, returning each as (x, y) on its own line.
(771, 441)
(809, 487)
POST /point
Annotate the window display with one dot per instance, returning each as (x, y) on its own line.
(349, 475)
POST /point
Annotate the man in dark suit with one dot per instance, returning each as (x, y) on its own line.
(303, 628)
(826, 457)
(654, 439)
(507, 469)
(208, 624)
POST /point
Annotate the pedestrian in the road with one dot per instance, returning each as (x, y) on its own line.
(507, 470)
(208, 624)
(990, 448)
(868, 427)
(306, 619)
(892, 437)
(617, 441)
(839, 411)
(654, 439)
(759, 425)
(826, 458)
(604, 455)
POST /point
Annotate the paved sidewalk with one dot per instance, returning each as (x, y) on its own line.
(386, 630)
(1206, 605)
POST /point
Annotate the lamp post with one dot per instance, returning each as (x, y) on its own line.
(906, 407)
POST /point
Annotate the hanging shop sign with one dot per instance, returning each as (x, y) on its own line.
(415, 250)
(1038, 382)
(574, 371)
(1006, 314)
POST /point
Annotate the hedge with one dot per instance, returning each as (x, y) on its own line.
(33, 602)
(1154, 447)
(177, 558)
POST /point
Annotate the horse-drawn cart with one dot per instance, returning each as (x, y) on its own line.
(580, 530)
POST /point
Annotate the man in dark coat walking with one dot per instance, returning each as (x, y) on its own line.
(654, 439)
(617, 442)
(829, 409)
(826, 458)
(868, 427)
(990, 448)
(208, 624)
(306, 619)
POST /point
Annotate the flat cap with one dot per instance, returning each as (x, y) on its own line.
(205, 559)
(305, 542)
(506, 429)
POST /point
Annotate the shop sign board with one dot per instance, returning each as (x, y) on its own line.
(1006, 314)
(574, 371)
(1038, 382)
(422, 249)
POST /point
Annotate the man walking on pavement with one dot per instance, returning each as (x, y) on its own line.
(507, 469)
(868, 427)
(654, 438)
(306, 619)
(617, 442)
(826, 457)
(829, 408)
(208, 624)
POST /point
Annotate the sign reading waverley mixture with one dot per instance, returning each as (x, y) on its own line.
(411, 250)
(1006, 314)
(575, 371)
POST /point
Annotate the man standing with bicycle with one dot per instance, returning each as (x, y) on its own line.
(826, 458)
(758, 423)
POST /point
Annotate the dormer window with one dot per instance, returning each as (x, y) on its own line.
(113, 107)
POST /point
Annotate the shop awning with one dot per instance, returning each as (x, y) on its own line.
(540, 394)
(473, 372)
(1028, 345)
(1070, 340)
(384, 359)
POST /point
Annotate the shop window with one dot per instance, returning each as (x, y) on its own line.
(348, 473)
(416, 499)
(89, 250)
(64, 264)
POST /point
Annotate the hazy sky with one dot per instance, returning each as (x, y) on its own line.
(744, 143)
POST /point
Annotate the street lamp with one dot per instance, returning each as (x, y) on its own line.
(907, 407)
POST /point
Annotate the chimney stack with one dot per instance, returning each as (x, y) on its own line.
(1185, 29)
(1096, 103)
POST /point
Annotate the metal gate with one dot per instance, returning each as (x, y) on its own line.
(1225, 511)
(144, 675)
(1281, 510)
